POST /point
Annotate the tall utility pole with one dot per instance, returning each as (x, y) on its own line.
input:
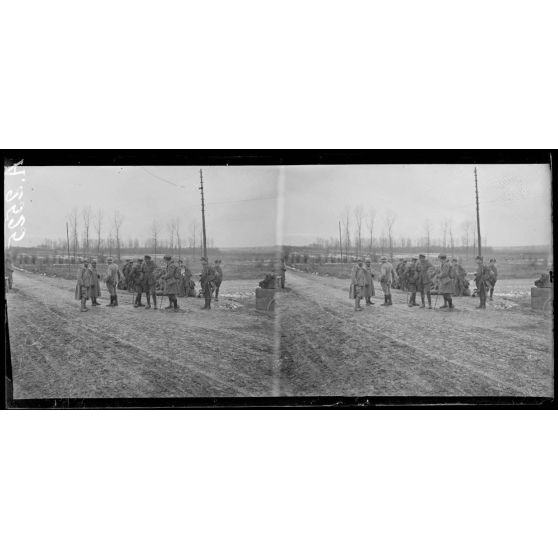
(68, 238)
(340, 243)
(478, 218)
(203, 216)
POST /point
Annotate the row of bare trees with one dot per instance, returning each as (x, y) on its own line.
(86, 228)
(358, 230)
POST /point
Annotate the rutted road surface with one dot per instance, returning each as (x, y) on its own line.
(59, 352)
(327, 348)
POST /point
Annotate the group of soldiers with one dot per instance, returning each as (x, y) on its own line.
(144, 276)
(419, 275)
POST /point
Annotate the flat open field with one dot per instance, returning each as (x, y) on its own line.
(315, 345)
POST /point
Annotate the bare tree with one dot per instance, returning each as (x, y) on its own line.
(346, 220)
(370, 222)
(444, 229)
(177, 232)
(466, 237)
(86, 216)
(428, 231)
(98, 225)
(155, 236)
(73, 221)
(358, 212)
(171, 229)
(118, 220)
(450, 226)
(390, 221)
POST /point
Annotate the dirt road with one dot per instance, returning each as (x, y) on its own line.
(59, 352)
(327, 348)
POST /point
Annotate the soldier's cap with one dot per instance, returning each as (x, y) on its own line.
(442, 257)
(414, 258)
(492, 260)
(203, 260)
(383, 259)
(167, 257)
(109, 259)
(140, 259)
(479, 258)
(422, 256)
(147, 257)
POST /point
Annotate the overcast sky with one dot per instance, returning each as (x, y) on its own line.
(242, 202)
(515, 200)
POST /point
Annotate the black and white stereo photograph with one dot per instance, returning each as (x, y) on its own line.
(303, 280)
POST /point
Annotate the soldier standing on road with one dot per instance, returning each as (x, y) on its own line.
(400, 270)
(171, 278)
(482, 281)
(494, 271)
(411, 280)
(369, 283)
(425, 271)
(126, 273)
(113, 277)
(358, 282)
(207, 280)
(446, 281)
(96, 289)
(460, 276)
(149, 282)
(181, 285)
(387, 276)
(137, 281)
(84, 285)
(188, 280)
(219, 278)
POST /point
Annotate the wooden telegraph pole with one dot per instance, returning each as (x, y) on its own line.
(203, 216)
(340, 243)
(478, 218)
(68, 239)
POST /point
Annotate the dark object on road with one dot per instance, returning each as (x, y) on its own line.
(269, 282)
(544, 281)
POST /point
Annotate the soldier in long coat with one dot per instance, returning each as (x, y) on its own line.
(400, 269)
(136, 281)
(369, 283)
(182, 287)
(149, 281)
(483, 278)
(446, 281)
(112, 278)
(460, 277)
(494, 271)
(358, 283)
(189, 286)
(96, 289)
(425, 273)
(411, 280)
(387, 277)
(207, 280)
(219, 277)
(171, 278)
(84, 285)
(126, 273)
